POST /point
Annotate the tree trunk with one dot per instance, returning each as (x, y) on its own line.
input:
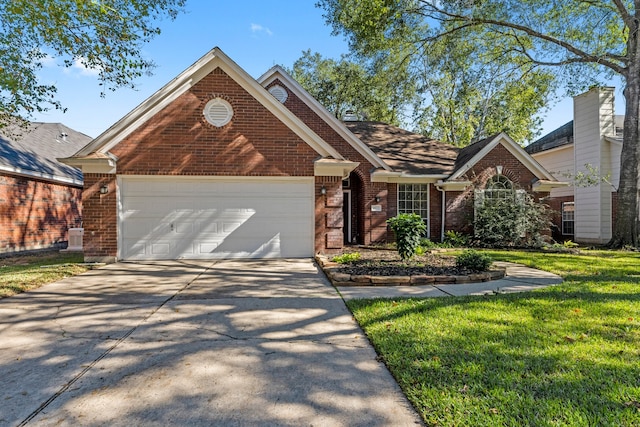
(627, 226)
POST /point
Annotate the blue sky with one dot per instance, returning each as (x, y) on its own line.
(255, 34)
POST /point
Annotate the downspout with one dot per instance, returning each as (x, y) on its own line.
(444, 209)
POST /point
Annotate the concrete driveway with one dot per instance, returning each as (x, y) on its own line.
(191, 343)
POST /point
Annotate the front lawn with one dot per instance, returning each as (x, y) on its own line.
(568, 355)
(23, 272)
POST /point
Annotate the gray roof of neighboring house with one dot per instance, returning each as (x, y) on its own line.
(557, 138)
(33, 151)
(406, 151)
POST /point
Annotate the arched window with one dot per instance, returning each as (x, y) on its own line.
(498, 187)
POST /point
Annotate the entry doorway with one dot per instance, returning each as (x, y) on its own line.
(346, 215)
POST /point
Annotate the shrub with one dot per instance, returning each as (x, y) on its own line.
(512, 221)
(346, 258)
(455, 239)
(409, 230)
(473, 260)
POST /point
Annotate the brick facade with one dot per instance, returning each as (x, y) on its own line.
(36, 214)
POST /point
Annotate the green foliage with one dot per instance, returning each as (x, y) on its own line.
(346, 258)
(375, 88)
(455, 239)
(426, 243)
(561, 356)
(474, 260)
(516, 221)
(409, 230)
(104, 36)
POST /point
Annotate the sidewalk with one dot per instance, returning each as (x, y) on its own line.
(518, 278)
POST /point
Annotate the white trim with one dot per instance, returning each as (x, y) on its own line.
(332, 167)
(41, 175)
(278, 72)
(405, 178)
(186, 80)
(428, 202)
(452, 185)
(93, 164)
(516, 150)
(544, 186)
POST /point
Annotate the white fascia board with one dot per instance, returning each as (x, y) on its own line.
(277, 72)
(553, 150)
(186, 80)
(92, 164)
(614, 139)
(332, 167)
(41, 175)
(452, 185)
(405, 178)
(544, 186)
(515, 149)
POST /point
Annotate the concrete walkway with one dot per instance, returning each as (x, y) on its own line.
(229, 343)
(518, 278)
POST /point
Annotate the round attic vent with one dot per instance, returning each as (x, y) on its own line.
(218, 112)
(279, 93)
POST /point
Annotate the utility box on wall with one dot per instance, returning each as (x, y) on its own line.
(75, 239)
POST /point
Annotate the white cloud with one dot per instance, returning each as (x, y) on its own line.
(48, 61)
(257, 28)
(84, 70)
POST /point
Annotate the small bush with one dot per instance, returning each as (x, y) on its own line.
(346, 258)
(455, 239)
(473, 260)
(409, 230)
(427, 244)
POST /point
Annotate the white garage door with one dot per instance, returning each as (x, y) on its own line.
(208, 218)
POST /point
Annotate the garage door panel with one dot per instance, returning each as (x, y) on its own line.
(208, 219)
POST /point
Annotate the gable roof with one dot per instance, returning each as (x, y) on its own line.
(472, 154)
(215, 58)
(405, 152)
(33, 151)
(278, 73)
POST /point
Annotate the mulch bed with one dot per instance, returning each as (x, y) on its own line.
(388, 263)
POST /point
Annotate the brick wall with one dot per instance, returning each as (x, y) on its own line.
(100, 243)
(371, 226)
(459, 205)
(36, 214)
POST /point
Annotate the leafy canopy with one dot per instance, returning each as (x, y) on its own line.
(103, 35)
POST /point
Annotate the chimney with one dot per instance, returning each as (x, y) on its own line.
(593, 120)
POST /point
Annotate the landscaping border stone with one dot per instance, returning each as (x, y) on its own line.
(342, 279)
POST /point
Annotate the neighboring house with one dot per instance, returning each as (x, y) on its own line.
(40, 198)
(588, 146)
(217, 164)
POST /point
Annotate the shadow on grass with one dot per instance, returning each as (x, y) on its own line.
(563, 356)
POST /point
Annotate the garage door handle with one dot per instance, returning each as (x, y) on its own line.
(171, 226)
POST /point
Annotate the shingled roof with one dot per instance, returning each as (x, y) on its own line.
(557, 138)
(33, 151)
(406, 151)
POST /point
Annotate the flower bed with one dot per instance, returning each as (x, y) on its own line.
(385, 268)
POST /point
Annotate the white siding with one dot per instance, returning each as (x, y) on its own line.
(593, 119)
(559, 162)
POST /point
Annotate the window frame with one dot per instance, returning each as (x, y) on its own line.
(426, 191)
(564, 221)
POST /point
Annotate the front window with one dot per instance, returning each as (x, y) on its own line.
(414, 198)
(499, 187)
(568, 218)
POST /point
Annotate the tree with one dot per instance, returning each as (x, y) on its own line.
(576, 40)
(104, 35)
(370, 88)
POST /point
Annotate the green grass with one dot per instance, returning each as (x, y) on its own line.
(568, 355)
(23, 272)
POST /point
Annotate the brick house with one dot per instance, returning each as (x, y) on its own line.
(592, 140)
(217, 164)
(40, 198)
